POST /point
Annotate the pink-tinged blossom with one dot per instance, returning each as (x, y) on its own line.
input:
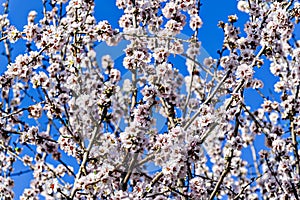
(173, 27)
(35, 111)
(257, 84)
(29, 193)
(280, 86)
(40, 79)
(127, 85)
(104, 31)
(273, 117)
(177, 47)
(267, 106)
(31, 32)
(6, 192)
(195, 22)
(4, 21)
(31, 16)
(107, 62)
(209, 61)
(194, 49)
(68, 145)
(115, 75)
(243, 6)
(244, 71)
(160, 55)
(278, 146)
(13, 34)
(170, 10)
(276, 69)
(148, 93)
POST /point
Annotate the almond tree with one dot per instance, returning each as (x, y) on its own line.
(59, 103)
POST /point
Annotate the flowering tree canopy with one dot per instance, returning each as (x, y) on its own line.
(84, 131)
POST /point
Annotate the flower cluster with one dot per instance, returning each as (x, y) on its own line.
(85, 129)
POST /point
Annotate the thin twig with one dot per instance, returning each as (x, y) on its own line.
(223, 175)
(130, 169)
(245, 186)
(86, 155)
(207, 100)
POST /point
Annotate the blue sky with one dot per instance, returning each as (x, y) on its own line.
(210, 35)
